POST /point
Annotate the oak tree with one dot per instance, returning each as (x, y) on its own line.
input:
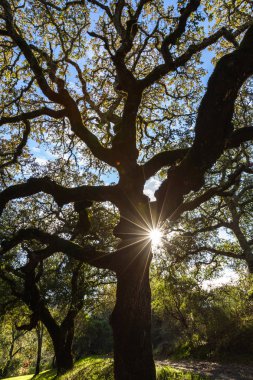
(117, 87)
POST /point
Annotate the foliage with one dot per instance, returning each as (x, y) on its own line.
(188, 321)
(93, 336)
(18, 348)
(195, 321)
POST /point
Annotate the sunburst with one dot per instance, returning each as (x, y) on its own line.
(155, 236)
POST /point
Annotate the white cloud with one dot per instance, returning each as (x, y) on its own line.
(228, 276)
(151, 186)
(41, 161)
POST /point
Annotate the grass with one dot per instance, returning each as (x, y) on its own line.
(26, 377)
(90, 368)
(169, 373)
(100, 368)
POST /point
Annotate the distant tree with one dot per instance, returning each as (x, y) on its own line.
(93, 333)
(10, 339)
(117, 87)
(192, 320)
(56, 306)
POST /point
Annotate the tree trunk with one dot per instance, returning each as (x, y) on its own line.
(63, 356)
(4, 371)
(131, 320)
(39, 332)
(62, 338)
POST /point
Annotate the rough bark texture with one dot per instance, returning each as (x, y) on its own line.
(131, 320)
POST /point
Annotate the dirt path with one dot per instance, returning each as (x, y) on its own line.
(215, 371)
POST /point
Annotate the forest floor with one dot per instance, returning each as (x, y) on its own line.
(100, 368)
(214, 371)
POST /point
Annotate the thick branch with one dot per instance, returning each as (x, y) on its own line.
(166, 158)
(56, 114)
(61, 195)
(170, 157)
(86, 254)
(213, 126)
(124, 143)
(239, 137)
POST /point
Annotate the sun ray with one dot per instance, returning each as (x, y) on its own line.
(136, 256)
(144, 270)
(144, 228)
(132, 244)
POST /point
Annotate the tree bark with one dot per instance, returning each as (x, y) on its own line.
(39, 332)
(62, 339)
(63, 356)
(131, 318)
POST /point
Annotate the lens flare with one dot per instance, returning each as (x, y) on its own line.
(155, 237)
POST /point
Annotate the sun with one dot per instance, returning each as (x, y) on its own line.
(155, 236)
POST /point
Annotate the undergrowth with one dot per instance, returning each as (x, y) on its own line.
(100, 368)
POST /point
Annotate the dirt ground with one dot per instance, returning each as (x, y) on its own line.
(215, 371)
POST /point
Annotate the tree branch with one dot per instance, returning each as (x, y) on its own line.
(173, 37)
(171, 65)
(56, 114)
(216, 252)
(30, 57)
(213, 127)
(67, 5)
(86, 254)
(61, 195)
(170, 157)
(19, 150)
(219, 190)
(61, 97)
